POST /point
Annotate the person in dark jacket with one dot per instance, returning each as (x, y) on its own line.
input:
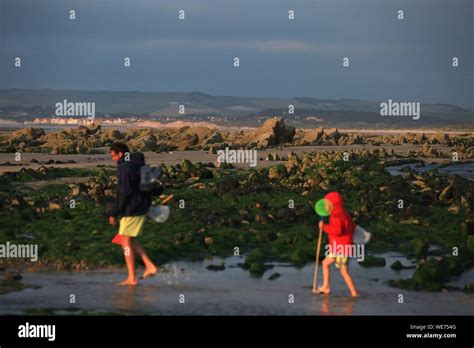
(131, 206)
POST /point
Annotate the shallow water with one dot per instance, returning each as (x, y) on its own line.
(465, 170)
(233, 291)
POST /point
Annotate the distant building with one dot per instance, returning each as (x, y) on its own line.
(82, 120)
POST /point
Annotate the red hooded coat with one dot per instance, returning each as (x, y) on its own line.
(340, 228)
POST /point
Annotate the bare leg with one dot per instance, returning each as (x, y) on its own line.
(350, 283)
(130, 261)
(327, 262)
(150, 268)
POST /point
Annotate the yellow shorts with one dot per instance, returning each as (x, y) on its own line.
(340, 260)
(131, 226)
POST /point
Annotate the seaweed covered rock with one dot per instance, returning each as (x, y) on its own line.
(447, 194)
(277, 172)
(292, 164)
(219, 267)
(470, 244)
(257, 268)
(12, 281)
(469, 288)
(396, 265)
(226, 185)
(373, 261)
(430, 274)
(420, 247)
(255, 263)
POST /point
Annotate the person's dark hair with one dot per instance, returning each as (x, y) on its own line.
(119, 146)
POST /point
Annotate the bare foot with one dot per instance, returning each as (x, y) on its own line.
(128, 282)
(355, 294)
(322, 290)
(149, 272)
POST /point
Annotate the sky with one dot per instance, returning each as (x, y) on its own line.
(403, 60)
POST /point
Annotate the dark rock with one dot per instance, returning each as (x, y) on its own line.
(273, 132)
(277, 172)
(219, 267)
(430, 274)
(257, 269)
(470, 244)
(373, 261)
(73, 246)
(397, 266)
(274, 276)
(420, 247)
(467, 228)
(12, 276)
(469, 288)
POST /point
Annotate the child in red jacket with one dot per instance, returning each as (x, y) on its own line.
(340, 230)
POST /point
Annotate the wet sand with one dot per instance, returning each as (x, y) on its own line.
(175, 157)
(234, 292)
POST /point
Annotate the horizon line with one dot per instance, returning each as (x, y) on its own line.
(470, 108)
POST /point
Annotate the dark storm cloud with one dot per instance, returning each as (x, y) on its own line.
(407, 59)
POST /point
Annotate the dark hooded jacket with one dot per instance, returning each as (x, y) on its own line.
(340, 228)
(129, 200)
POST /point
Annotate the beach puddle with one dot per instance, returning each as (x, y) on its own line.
(465, 170)
(233, 291)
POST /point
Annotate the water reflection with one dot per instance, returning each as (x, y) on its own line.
(330, 305)
(125, 299)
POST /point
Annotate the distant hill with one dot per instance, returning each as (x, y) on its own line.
(22, 103)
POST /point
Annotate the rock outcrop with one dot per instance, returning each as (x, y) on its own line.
(272, 133)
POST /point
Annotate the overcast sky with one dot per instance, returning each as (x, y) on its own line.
(406, 60)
